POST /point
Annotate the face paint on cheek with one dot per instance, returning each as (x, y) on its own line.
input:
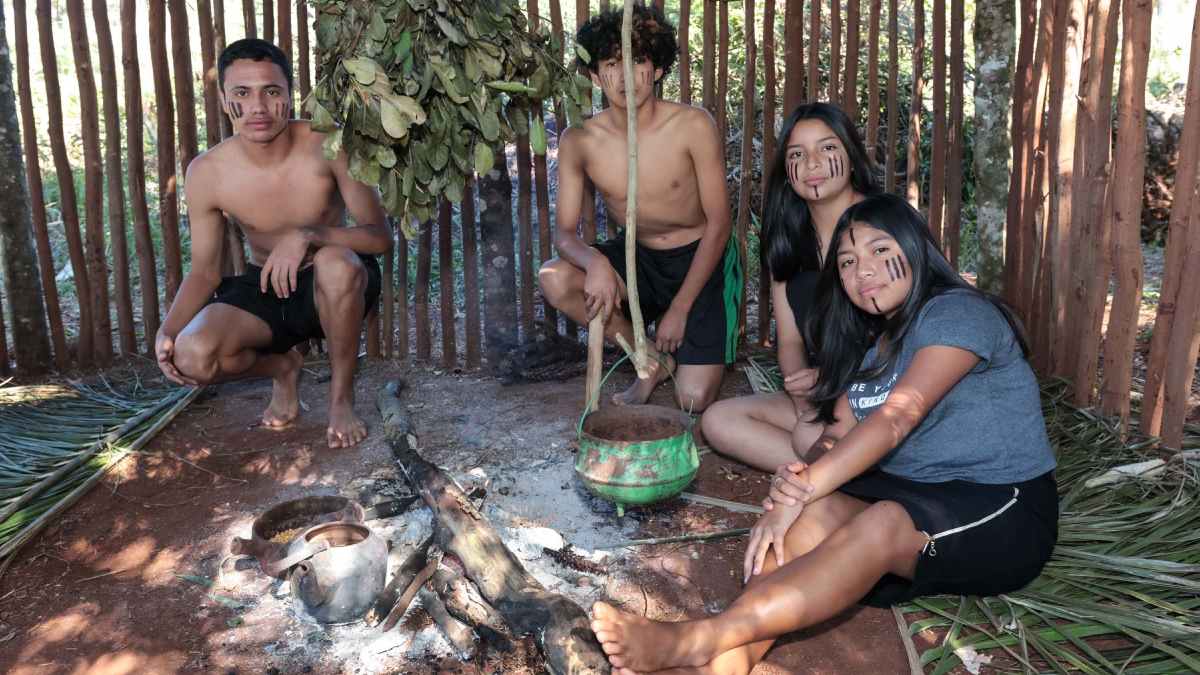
(876, 303)
(793, 171)
(898, 264)
(903, 267)
(851, 233)
(839, 167)
(235, 111)
(893, 271)
(280, 110)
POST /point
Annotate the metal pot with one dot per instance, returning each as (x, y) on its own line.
(337, 570)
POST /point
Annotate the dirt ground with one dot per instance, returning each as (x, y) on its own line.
(128, 580)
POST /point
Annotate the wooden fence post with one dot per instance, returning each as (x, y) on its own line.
(893, 103)
(722, 101)
(471, 325)
(710, 57)
(136, 163)
(525, 227)
(402, 294)
(421, 291)
(185, 93)
(1129, 161)
(768, 141)
(1021, 111)
(496, 238)
(873, 81)
(1064, 91)
(388, 301)
(954, 176)
(834, 94)
(685, 56)
(66, 182)
(93, 186)
(1162, 341)
(37, 198)
(1034, 282)
(114, 174)
(747, 183)
(446, 285)
(303, 52)
(937, 164)
(250, 18)
(850, 80)
(912, 170)
(168, 199)
(284, 9)
(208, 73)
(814, 51)
(793, 55)
(541, 184)
(268, 14)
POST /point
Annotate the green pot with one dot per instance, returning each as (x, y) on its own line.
(638, 454)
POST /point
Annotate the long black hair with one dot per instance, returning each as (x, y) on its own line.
(789, 235)
(841, 333)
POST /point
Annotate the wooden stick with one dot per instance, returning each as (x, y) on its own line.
(850, 79)
(954, 176)
(446, 284)
(893, 105)
(284, 12)
(937, 163)
(421, 292)
(747, 184)
(185, 94)
(595, 363)
(631, 192)
(793, 58)
(458, 634)
(401, 579)
(541, 189)
(303, 54)
(268, 14)
(722, 101)
(736, 507)
(685, 53)
(68, 207)
(168, 197)
(709, 52)
(406, 598)
(525, 229)
(250, 18)
(219, 46)
(471, 323)
(402, 294)
(768, 140)
(912, 170)
(559, 626)
(208, 73)
(113, 174)
(462, 600)
(136, 171)
(93, 187)
(835, 51)
(707, 536)
(37, 199)
(873, 80)
(388, 302)
(814, 50)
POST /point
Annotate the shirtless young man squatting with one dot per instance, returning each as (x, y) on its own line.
(689, 276)
(310, 277)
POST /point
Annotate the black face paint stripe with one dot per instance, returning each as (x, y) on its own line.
(235, 110)
(851, 233)
(873, 302)
(817, 191)
(893, 271)
(831, 171)
(903, 267)
(280, 109)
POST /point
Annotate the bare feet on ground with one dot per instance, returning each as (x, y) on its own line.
(639, 392)
(638, 645)
(285, 394)
(345, 428)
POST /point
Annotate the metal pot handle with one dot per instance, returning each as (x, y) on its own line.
(306, 551)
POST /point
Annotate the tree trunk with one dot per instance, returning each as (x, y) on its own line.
(873, 80)
(387, 311)
(525, 229)
(709, 51)
(912, 170)
(1032, 281)
(208, 73)
(446, 285)
(471, 324)
(142, 239)
(303, 52)
(1130, 160)
(1177, 246)
(185, 92)
(285, 40)
(219, 40)
(113, 173)
(685, 60)
(850, 80)
(268, 14)
(747, 184)
(995, 42)
(893, 103)
(68, 206)
(250, 18)
(402, 294)
(834, 94)
(21, 281)
(421, 291)
(37, 200)
(168, 196)
(937, 164)
(1064, 90)
(814, 51)
(93, 186)
(722, 101)
(768, 140)
(499, 279)
(793, 59)
(1022, 110)
(954, 176)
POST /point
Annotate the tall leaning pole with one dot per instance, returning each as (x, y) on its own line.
(596, 325)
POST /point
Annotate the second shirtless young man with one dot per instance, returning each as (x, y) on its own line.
(310, 277)
(688, 270)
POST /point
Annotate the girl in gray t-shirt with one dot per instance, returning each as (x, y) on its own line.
(934, 474)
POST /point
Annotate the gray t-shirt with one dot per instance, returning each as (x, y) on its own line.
(988, 428)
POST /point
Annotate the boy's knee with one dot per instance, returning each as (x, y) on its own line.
(339, 270)
(196, 356)
(554, 280)
(696, 398)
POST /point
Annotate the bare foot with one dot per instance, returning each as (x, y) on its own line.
(285, 393)
(345, 428)
(637, 645)
(639, 392)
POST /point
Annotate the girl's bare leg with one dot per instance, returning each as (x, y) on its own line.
(755, 430)
(838, 570)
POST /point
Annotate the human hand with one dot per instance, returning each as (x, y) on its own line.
(800, 383)
(164, 352)
(669, 330)
(602, 290)
(282, 266)
(789, 487)
(768, 533)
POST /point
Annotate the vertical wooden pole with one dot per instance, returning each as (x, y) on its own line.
(471, 324)
(793, 58)
(556, 29)
(136, 170)
(722, 101)
(185, 93)
(113, 173)
(814, 51)
(1164, 338)
(541, 184)
(873, 80)
(446, 285)
(372, 330)
(1032, 237)
(37, 199)
(710, 57)
(525, 229)
(685, 54)
(937, 165)
(402, 294)
(303, 55)
(93, 191)
(496, 242)
(1129, 161)
(893, 103)
(835, 52)
(208, 79)
(850, 97)
(1184, 340)
(589, 190)
(284, 9)
(388, 301)
(768, 140)
(421, 291)
(250, 18)
(168, 199)
(268, 15)
(1092, 264)
(68, 207)
(913, 168)
(747, 184)
(954, 175)
(1021, 111)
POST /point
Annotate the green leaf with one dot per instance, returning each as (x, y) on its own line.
(322, 121)
(484, 158)
(364, 71)
(451, 31)
(332, 145)
(386, 157)
(582, 53)
(489, 124)
(403, 46)
(537, 136)
(510, 87)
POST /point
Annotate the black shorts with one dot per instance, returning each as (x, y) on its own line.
(984, 539)
(293, 319)
(710, 336)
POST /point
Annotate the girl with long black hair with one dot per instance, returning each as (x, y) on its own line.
(937, 475)
(820, 169)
